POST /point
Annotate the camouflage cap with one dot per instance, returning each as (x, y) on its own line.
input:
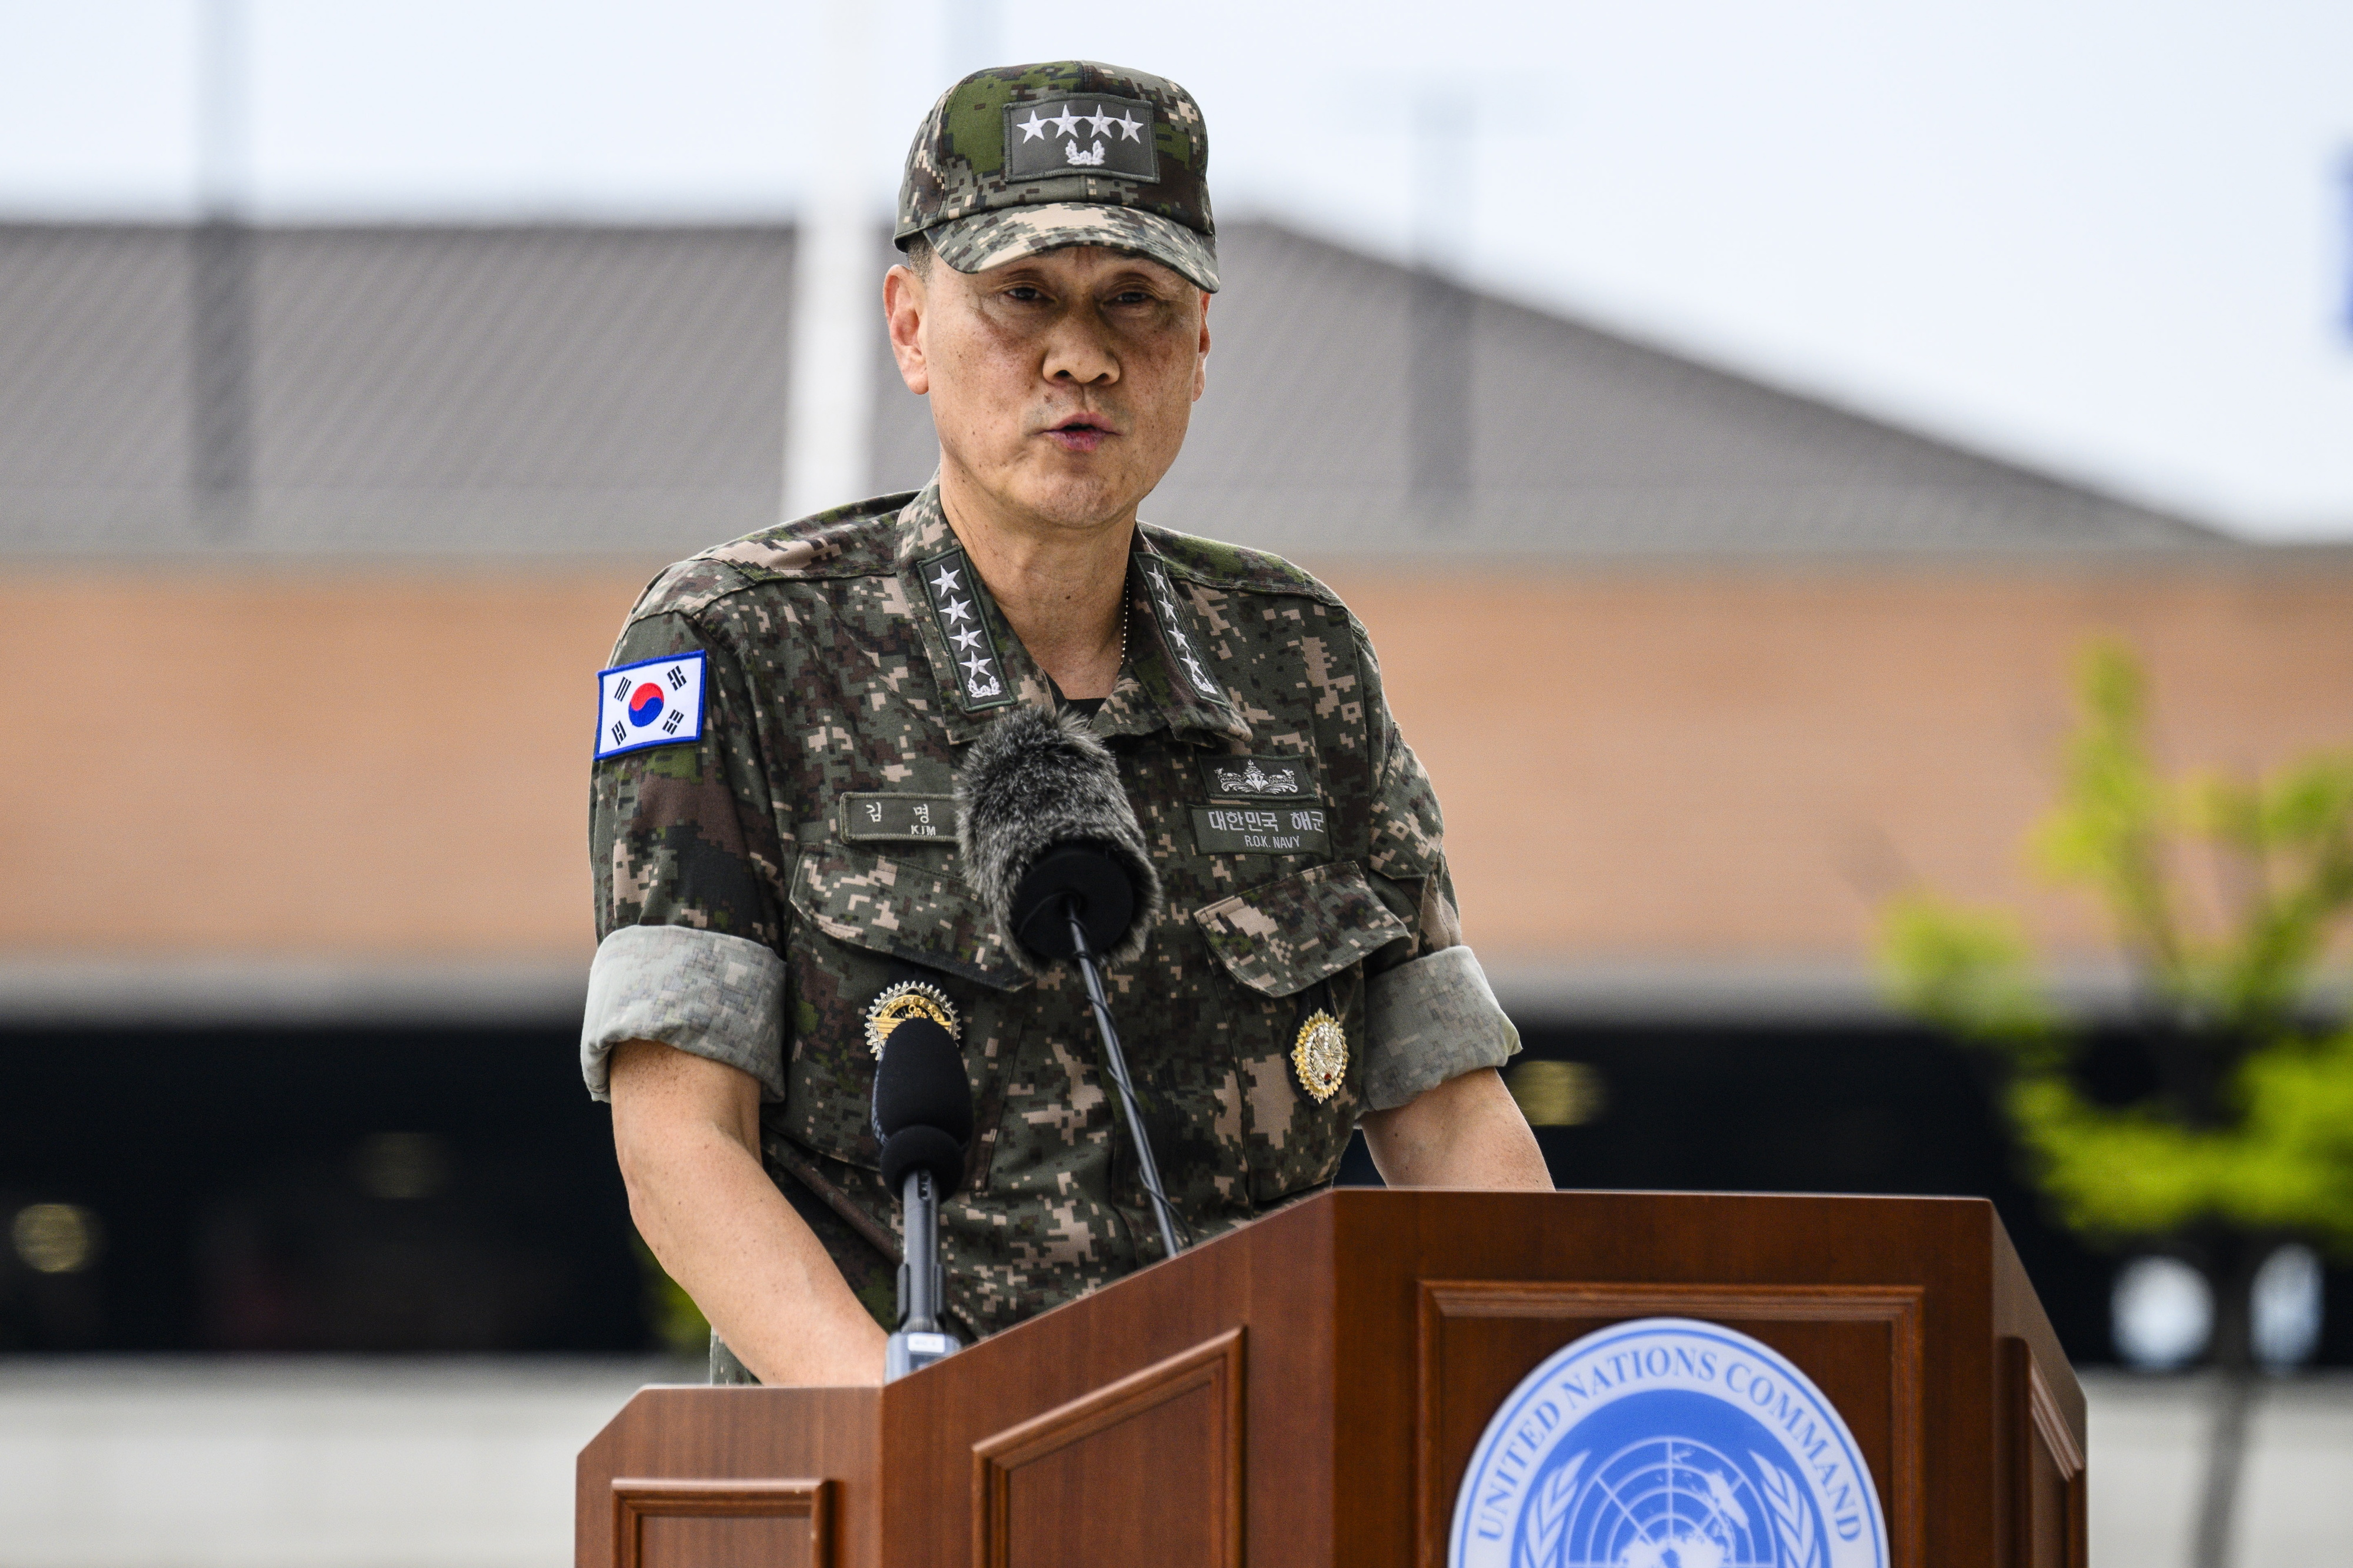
(1021, 159)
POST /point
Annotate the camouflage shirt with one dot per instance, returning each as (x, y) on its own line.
(759, 885)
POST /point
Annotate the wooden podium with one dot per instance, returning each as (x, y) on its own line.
(1308, 1391)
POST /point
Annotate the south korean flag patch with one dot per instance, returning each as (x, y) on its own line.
(657, 702)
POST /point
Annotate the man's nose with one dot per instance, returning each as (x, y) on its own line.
(1076, 352)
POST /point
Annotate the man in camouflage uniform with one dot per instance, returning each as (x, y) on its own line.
(773, 832)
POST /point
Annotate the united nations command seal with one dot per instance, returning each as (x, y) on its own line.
(1320, 1056)
(1667, 1442)
(909, 999)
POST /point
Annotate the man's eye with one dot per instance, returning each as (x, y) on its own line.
(1025, 293)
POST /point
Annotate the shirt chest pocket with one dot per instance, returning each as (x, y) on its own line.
(1295, 948)
(866, 922)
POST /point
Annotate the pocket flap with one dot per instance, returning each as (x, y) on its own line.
(1282, 937)
(891, 907)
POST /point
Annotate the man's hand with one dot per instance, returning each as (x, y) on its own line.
(688, 1134)
(1466, 1133)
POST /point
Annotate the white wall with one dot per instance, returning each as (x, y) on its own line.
(298, 1464)
(2147, 1463)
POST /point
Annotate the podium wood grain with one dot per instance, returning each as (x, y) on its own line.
(1307, 1391)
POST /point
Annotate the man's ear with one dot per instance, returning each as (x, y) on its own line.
(903, 302)
(1201, 359)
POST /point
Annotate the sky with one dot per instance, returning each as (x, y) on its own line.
(2112, 240)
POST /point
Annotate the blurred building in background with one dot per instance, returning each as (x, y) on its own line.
(313, 537)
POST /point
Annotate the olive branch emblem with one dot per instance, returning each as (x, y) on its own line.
(1546, 1519)
(1793, 1523)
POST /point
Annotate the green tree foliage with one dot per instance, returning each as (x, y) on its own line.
(2251, 1128)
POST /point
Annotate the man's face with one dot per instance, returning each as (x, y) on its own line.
(1061, 384)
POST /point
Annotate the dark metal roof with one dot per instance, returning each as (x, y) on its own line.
(524, 390)
(456, 390)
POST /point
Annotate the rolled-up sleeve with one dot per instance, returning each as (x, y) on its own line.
(688, 869)
(1431, 1015)
(710, 994)
(1430, 1020)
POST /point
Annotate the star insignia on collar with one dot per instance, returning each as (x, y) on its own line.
(979, 667)
(956, 610)
(947, 581)
(965, 638)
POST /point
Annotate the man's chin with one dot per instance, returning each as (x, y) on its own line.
(1076, 501)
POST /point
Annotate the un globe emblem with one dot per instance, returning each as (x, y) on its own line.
(1667, 1443)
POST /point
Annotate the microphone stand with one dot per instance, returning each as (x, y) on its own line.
(1117, 1059)
(919, 1340)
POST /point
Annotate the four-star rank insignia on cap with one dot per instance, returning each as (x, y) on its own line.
(1081, 135)
(1321, 1055)
(909, 999)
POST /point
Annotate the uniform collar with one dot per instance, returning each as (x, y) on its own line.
(1171, 678)
(980, 668)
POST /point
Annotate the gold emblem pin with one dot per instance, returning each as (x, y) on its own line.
(909, 999)
(1320, 1056)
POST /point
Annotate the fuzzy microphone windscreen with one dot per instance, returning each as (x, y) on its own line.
(1033, 784)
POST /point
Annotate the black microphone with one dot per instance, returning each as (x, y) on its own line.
(922, 1116)
(1054, 850)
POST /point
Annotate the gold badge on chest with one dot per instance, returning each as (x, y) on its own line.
(909, 999)
(1320, 1056)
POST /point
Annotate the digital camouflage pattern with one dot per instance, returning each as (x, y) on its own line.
(981, 210)
(977, 244)
(830, 677)
(1327, 917)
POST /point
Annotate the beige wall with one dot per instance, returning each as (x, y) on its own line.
(1747, 764)
(1636, 765)
(338, 766)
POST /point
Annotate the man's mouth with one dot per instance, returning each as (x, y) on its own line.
(1078, 433)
